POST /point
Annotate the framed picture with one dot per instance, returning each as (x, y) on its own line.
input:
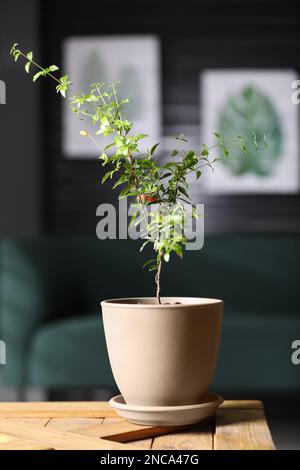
(134, 61)
(234, 102)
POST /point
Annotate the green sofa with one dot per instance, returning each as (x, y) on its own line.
(51, 288)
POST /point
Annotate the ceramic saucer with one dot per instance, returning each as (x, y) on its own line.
(167, 415)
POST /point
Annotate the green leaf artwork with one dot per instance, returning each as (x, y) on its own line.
(251, 109)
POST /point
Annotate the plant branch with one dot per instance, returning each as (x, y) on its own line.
(49, 74)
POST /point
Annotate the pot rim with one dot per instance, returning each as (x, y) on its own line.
(186, 302)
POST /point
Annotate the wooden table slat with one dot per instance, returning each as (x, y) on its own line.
(243, 430)
(200, 439)
(242, 405)
(72, 424)
(23, 444)
(90, 409)
(59, 439)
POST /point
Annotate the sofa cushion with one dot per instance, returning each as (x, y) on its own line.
(70, 353)
(255, 353)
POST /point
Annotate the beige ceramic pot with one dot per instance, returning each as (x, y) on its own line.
(163, 355)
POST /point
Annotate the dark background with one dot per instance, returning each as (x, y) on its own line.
(59, 196)
(194, 35)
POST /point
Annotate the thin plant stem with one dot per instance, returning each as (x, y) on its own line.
(157, 280)
(93, 140)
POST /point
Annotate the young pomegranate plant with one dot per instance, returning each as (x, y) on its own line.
(138, 174)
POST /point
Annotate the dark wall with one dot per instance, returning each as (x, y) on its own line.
(20, 176)
(194, 35)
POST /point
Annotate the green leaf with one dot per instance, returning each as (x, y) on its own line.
(190, 159)
(205, 151)
(254, 139)
(216, 134)
(52, 68)
(190, 155)
(125, 192)
(181, 137)
(104, 157)
(64, 79)
(242, 144)
(226, 152)
(198, 174)
(133, 217)
(63, 85)
(153, 268)
(38, 75)
(120, 181)
(183, 191)
(27, 66)
(154, 148)
(109, 146)
(170, 165)
(13, 48)
(145, 243)
(243, 147)
(29, 56)
(108, 131)
(16, 55)
(105, 177)
(174, 153)
(140, 136)
(150, 261)
(178, 250)
(125, 101)
(166, 175)
(118, 140)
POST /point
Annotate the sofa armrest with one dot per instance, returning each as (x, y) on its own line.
(35, 289)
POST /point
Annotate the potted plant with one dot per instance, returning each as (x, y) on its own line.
(163, 351)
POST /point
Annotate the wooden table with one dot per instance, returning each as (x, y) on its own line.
(239, 425)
